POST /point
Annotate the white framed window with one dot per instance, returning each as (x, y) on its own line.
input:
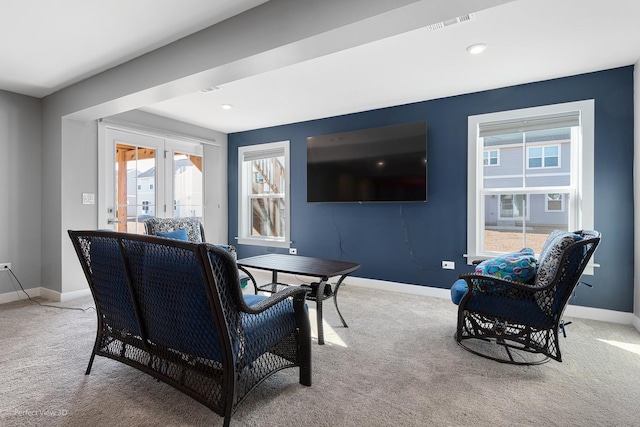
(543, 157)
(554, 202)
(491, 158)
(263, 194)
(543, 181)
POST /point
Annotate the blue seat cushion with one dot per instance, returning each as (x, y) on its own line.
(253, 299)
(458, 290)
(520, 311)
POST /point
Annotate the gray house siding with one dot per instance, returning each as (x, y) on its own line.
(512, 172)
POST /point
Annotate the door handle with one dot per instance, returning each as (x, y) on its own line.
(113, 221)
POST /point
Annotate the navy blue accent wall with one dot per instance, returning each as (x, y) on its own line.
(406, 242)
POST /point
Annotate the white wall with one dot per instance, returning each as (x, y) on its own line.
(20, 190)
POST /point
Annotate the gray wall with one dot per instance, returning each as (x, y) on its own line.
(20, 189)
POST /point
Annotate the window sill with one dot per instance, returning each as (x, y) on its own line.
(274, 243)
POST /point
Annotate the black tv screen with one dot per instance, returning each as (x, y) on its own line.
(384, 164)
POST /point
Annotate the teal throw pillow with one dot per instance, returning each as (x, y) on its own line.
(517, 266)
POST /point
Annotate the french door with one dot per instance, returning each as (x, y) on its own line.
(144, 176)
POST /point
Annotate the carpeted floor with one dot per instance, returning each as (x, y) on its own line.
(396, 365)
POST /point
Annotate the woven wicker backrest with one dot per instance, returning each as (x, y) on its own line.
(159, 288)
(229, 294)
(169, 281)
(102, 260)
(567, 270)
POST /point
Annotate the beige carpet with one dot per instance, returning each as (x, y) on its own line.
(396, 365)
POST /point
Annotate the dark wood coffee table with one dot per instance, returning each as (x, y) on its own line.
(305, 266)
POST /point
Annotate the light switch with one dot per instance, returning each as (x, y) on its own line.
(88, 198)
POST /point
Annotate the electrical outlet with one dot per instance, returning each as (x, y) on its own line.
(448, 265)
(5, 266)
(293, 251)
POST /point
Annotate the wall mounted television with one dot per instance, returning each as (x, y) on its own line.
(383, 164)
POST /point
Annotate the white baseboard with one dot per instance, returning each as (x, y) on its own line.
(571, 310)
(19, 295)
(384, 285)
(636, 322)
(68, 296)
(601, 314)
(48, 294)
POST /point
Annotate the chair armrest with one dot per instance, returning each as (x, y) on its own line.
(297, 292)
(492, 284)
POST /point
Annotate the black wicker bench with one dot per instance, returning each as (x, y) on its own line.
(175, 310)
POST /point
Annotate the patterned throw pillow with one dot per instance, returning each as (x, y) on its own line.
(551, 240)
(517, 266)
(550, 257)
(190, 224)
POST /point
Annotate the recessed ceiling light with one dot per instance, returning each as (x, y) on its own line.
(477, 48)
(227, 106)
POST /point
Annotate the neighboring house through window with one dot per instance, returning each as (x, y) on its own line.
(555, 202)
(541, 178)
(263, 194)
(491, 158)
(543, 157)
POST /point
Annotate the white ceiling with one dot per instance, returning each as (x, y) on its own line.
(528, 40)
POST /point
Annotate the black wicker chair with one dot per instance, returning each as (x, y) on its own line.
(523, 319)
(174, 310)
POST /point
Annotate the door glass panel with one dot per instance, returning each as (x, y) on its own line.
(187, 185)
(135, 186)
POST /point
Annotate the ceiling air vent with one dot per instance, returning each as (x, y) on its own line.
(459, 19)
(210, 89)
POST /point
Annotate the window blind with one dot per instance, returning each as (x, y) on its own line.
(553, 121)
(249, 156)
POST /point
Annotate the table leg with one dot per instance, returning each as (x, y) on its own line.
(253, 280)
(335, 300)
(319, 295)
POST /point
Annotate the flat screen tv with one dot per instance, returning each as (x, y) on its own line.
(384, 164)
